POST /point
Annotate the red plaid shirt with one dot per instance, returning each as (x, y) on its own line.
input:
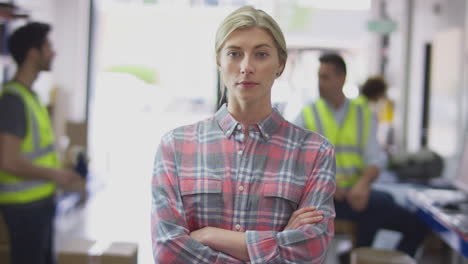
(205, 174)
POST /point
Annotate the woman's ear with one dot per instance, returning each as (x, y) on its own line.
(280, 69)
(217, 62)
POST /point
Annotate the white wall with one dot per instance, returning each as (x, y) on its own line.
(428, 22)
(445, 113)
(70, 38)
(71, 24)
(38, 10)
(428, 18)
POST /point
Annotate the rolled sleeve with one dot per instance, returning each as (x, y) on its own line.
(309, 243)
(374, 153)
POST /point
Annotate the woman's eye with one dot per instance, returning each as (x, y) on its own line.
(233, 54)
(262, 54)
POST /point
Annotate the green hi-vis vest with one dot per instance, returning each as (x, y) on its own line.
(349, 139)
(37, 146)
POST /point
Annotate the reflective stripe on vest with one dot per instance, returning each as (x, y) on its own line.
(20, 186)
(36, 148)
(37, 153)
(349, 139)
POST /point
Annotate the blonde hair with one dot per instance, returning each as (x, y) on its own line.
(247, 17)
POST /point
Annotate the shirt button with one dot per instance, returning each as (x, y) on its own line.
(238, 227)
(241, 188)
(238, 127)
(240, 152)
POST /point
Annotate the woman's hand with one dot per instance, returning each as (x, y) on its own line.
(304, 216)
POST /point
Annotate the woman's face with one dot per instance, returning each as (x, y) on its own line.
(249, 64)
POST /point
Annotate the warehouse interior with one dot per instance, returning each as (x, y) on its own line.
(128, 71)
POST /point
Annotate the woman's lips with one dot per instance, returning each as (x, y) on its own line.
(248, 84)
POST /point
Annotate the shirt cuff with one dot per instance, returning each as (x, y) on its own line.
(224, 258)
(261, 245)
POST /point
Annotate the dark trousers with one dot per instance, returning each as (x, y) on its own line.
(384, 213)
(31, 228)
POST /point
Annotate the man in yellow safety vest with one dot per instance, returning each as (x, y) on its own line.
(351, 128)
(29, 164)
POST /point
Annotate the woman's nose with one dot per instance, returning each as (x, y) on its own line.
(247, 66)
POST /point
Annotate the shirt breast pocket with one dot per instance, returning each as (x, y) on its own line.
(280, 200)
(203, 202)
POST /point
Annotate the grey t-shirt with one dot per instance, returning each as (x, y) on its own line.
(12, 116)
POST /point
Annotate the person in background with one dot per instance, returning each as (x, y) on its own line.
(244, 185)
(374, 90)
(351, 128)
(29, 165)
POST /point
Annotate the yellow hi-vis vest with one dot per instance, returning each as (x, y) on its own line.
(37, 146)
(349, 139)
(361, 99)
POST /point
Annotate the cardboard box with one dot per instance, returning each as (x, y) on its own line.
(4, 253)
(82, 251)
(4, 236)
(77, 133)
(120, 253)
(76, 252)
(75, 139)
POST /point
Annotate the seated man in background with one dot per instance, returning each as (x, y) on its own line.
(351, 128)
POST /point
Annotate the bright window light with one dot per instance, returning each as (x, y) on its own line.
(336, 4)
(351, 91)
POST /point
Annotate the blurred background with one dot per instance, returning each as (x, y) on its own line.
(127, 71)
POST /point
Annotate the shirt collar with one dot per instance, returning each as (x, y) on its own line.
(343, 106)
(266, 127)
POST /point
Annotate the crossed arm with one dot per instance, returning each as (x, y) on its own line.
(233, 243)
(304, 239)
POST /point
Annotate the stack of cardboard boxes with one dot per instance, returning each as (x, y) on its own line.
(77, 134)
(83, 251)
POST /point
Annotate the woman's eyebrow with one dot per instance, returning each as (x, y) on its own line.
(256, 47)
(262, 45)
(232, 47)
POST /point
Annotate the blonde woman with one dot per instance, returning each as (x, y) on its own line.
(244, 185)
